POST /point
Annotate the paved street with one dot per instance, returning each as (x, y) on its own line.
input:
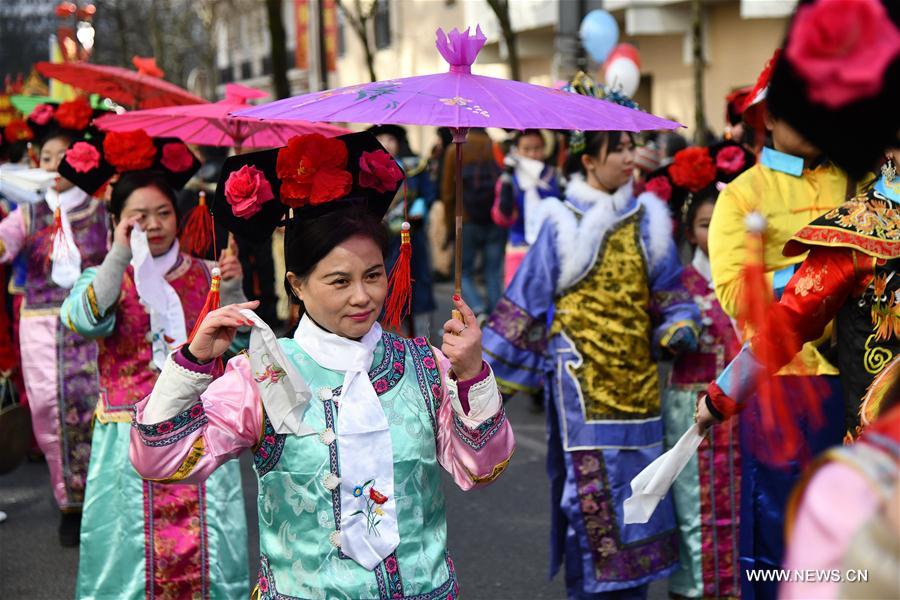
(497, 535)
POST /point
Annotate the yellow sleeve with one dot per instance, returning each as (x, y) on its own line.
(727, 246)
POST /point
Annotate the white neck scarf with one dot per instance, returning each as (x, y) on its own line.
(64, 253)
(701, 263)
(369, 531)
(167, 328)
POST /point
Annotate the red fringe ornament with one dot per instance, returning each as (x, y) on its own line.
(399, 301)
(197, 235)
(779, 415)
(213, 300)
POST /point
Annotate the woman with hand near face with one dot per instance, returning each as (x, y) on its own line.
(349, 425)
(163, 537)
(59, 367)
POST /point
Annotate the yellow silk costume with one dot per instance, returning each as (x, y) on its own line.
(788, 202)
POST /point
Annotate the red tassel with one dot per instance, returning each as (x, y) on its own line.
(32, 156)
(779, 415)
(197, 235)
(399, 301)
(212, 302)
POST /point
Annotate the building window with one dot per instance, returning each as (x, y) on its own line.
(341, 43)
(246, 70)
(266, 65)
(382, 24)
(226, 74)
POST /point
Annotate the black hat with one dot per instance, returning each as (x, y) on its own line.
(72, 118)
(91, 163)
(308, 177)
(852, 133)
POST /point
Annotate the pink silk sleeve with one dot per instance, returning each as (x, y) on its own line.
(474, 448)
(824, 527)
(217, 426)
(12, 235)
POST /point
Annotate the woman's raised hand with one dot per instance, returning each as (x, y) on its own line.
(462, 342)
(217, 331)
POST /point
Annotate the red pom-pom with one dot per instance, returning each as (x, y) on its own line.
(129, 150)
(693, 168)
(74, 114)
(313, 170)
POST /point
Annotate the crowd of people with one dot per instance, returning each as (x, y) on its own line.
(633, 285)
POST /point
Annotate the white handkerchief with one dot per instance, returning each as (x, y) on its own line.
(651, 484)
(284, 393)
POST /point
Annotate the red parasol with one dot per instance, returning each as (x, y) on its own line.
(143, 88)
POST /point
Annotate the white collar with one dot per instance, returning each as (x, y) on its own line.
(701, 264)
(336, 352)
(69, 199)
(582, 196)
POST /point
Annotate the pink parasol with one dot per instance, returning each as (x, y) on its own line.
(211, 125)
(143, 88)
(460, 100)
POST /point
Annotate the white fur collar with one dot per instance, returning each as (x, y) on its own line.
(578, 241)
(582, 197)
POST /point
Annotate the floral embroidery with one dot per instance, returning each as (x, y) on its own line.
(513, 323)
(870, 217)
(273, 373)
(811, 282)
(428, 376)
(373, 506)
(612, 559)
(171, 430)
(269, 450)
(481, 435)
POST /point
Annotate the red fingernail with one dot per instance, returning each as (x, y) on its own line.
(456, 297)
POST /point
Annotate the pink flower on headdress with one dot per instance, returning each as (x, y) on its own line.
(42, 114)
(246, 190)
(83, 157)
(660, 187)
(730, 160)
(378, 171)
(176, 157)
(842, 49)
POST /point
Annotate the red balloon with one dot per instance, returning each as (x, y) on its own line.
(624, 51)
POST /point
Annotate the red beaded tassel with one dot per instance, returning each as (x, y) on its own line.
(197, 235)
(55, 232)
(399, 301)
(213, 300)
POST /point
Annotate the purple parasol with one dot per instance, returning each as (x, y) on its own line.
(460, 100)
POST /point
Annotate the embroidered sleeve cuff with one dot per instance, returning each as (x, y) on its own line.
(481, 395)
(174, 429)
(177, 389)
(476, 437)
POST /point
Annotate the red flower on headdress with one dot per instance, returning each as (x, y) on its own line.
(842, 49)
(176, 157)
(246, 190)
(74, 114)
(730, 160)
(313, 170)
(129, 150)
(660, 187)
(693, 168)
(379, 171)
(83, 157)
(18, 131)
(42, 114)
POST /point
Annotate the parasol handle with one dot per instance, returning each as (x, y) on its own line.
(459, 138)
